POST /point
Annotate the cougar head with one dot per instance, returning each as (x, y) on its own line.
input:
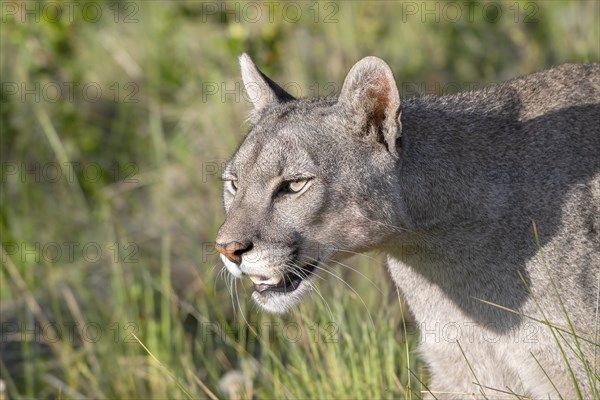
(312, 181)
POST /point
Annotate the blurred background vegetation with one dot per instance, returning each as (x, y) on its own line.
(116, 119)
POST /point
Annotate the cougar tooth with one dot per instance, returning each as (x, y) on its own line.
(263, 280)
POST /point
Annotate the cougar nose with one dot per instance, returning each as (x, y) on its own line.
(233, 250)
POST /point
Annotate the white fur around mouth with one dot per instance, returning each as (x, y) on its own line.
(283, 283)
(287, 294)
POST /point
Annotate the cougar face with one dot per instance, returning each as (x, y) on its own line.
(294, 196)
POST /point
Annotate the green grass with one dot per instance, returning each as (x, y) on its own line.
(139, 181)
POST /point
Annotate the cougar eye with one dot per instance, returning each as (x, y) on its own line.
(295, 186)
(233, 185)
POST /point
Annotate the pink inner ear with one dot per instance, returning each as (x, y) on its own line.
(380, 93)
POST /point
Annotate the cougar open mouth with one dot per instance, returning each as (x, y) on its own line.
(285, 283)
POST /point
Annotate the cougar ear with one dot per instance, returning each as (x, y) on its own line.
(371, 97)
(261, 90)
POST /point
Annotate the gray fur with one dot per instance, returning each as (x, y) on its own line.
(450, 188)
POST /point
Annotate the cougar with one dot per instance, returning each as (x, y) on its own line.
(486, 203)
